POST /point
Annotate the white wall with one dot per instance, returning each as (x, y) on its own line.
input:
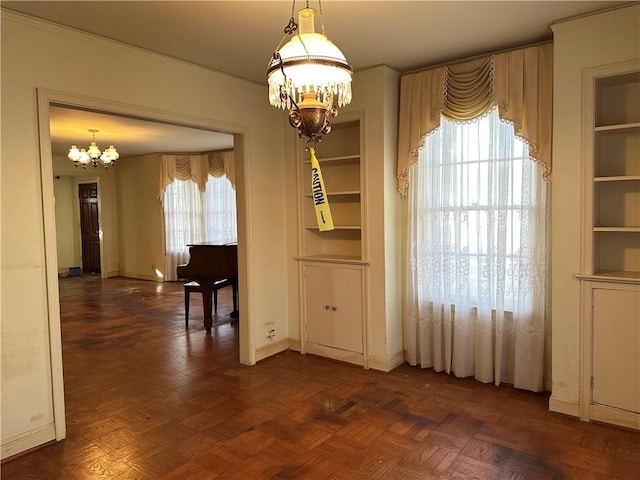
(140, 222)
(41, 55)
(65, 225)
(376, 92)
(602, 39)
(393, 234)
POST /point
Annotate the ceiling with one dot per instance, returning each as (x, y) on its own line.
(131, 136)
(238, 38)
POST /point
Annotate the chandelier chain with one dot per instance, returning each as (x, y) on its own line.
(321, 18)
(292, 26)
(289, 29)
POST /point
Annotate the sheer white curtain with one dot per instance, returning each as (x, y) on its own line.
(477, 256)
(192, 216)
(220, 211)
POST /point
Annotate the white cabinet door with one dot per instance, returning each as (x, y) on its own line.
(317, 283)
(616, 348)
(333, 306)
(347, 308)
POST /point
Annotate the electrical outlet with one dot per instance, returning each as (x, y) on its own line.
(271, 330)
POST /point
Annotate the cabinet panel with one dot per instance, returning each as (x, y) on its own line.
(616, 348)
(318, 305)
(333, 315)
(347, 301)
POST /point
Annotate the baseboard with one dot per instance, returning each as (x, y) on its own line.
(566, 407)
(271, 349)
(137, 276)
(387, 364)
(334, 353)
(25, 441)
(295, 344)
(614, 416)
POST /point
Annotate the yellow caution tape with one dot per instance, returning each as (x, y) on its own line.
(319, 194)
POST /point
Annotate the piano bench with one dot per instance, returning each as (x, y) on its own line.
(191, 287)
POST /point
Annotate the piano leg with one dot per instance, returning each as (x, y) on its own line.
(234, 287)
(207, 293)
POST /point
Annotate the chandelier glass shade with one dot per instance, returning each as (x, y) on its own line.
(93, 155)
(306, 75)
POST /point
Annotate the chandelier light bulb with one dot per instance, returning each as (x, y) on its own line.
(109, 156)
(74, 153)
(84, 158)
(94, 151)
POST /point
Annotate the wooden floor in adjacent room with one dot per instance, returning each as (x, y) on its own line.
(148, 399)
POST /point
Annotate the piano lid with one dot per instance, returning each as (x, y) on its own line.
(210, 261)
(214, 243)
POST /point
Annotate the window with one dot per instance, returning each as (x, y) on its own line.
(477, 249)
(192, 216)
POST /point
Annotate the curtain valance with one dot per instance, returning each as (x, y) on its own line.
(197, 168)
(518, 82)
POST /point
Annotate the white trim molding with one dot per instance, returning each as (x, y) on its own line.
(28, 440)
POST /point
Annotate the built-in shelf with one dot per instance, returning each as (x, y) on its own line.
(337, 194)
(617, 178)
(616, 229)
(612, 210)
(611, 276)
(618, 128)
(340, 157)
(336, 227)
(331, 263)
(345, 259)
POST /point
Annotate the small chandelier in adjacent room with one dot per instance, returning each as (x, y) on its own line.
(93, 154)
(307, 74)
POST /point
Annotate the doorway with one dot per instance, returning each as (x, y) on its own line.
(48, 99)
(89, 227)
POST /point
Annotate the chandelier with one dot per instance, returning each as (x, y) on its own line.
(307, 74)
(93, 154)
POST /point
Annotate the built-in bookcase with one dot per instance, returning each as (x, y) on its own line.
(340, 157)
(610, 282)
(614, 144)
(333, 267)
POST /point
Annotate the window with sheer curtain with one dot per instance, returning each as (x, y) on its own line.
(477, 254)
(193, 216)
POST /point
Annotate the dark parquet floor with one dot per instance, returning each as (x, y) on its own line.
(148, 399)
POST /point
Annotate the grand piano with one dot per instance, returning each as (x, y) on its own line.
(208, 263)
